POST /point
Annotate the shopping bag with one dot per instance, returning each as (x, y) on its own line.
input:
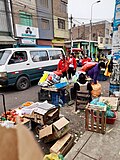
(18, 144)
(96, 92)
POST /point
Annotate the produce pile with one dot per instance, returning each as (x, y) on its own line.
(13, 115)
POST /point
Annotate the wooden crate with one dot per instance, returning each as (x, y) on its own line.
(95, 123)
(82, 99)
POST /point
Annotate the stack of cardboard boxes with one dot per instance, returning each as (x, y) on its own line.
(58, 131)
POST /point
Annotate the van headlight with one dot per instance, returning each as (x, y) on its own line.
(3, 74)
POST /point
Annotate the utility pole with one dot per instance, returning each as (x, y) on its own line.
(71, 22)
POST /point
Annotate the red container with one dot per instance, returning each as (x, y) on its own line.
(111, 120)
(108, 120)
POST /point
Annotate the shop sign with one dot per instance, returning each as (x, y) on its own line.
(26, 31)
(28, 41)
(116, 30)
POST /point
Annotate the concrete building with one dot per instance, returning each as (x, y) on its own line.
(25, 22)
(100, 32)
(45, 22)
(60, 17)
(6, 34)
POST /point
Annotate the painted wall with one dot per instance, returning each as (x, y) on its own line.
(45, 13)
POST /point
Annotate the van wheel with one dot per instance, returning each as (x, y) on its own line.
(22, 83)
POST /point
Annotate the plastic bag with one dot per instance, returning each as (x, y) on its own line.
(96, 92)
(43, 78)
(110, 114)
(53, 156)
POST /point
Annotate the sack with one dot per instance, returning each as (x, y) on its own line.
(88, 66)
(96, 92)
(18, 144)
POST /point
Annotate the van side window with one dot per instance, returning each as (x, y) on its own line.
(18, 57)
(38, 56)
(55, 54)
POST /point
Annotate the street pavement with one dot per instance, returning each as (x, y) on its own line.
(96, 146)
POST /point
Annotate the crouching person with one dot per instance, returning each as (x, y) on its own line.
(81, 85)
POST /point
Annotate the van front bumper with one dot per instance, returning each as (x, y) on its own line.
(3, 81)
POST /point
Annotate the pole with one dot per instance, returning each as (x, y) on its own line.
(71, 18)
(90, 29)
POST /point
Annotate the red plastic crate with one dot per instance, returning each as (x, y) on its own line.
(109, 120)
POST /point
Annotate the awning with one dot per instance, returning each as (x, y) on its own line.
(6, 40)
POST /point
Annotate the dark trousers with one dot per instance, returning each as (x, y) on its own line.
(71, 71)
(64, 74)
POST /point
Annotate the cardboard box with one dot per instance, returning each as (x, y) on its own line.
(63, 145)
(61, 127)
(47, 118)
(55, 130)
(113, 101)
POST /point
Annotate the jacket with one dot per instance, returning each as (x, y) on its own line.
(63, 65)
(94, 72)
(72, 62)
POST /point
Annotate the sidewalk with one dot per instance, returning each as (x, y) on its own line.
(95, 146)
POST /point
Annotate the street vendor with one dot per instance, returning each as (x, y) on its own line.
(81, 84)
(63, 65)
(95, 71)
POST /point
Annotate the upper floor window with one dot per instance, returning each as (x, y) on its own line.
(107, 31)
(25, 19)
(107, 40)
(44, 3)
(45, 24)
(38, 56)
(61, 23)
(63, 7)
(101, 40)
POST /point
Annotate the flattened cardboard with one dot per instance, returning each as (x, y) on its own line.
(113, 101)
(62, 122)
(47, 131)
(58, 145)
(52, 114)
(63, 145)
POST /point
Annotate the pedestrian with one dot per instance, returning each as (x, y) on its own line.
(95, 71)
(72, 65)
(85, 59)
(63, 65)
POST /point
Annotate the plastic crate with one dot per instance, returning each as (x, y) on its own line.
(55, 98)
(108, 120)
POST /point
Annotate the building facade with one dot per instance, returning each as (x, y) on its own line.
(60, 18)
(101, 32)
(6, 35)
(45, 22)
(25, 22)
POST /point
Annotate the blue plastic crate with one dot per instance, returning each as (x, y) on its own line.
(55, 98)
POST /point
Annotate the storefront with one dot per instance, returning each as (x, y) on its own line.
(6, 42)
(57, 42)
(26, 36)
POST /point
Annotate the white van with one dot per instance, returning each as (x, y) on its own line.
(20, 66)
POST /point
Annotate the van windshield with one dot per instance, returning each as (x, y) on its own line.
(4, 54)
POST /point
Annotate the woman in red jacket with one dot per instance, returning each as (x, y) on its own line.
(63, 65)
(72, 65)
